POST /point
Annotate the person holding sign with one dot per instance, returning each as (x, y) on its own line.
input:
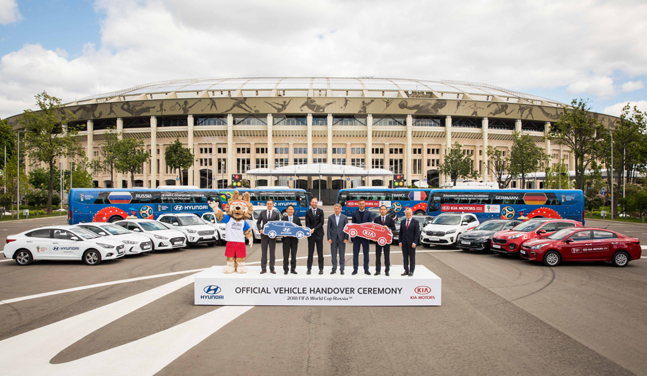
(337, 238)
(290, 243)
(266, 242)
(409, 238)
(361, 216)
(387, 222)
(315, 221)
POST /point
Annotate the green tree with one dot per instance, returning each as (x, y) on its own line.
(108, 155)
(499, 165)
(179, 157)
(47, 137)
(36, 198)
(8, 137)
(6, 200)
(638, 202)
(11, 182)
(525, 156)
(457, 164)
(131, 157)
(81, 178)
(552, 180)
(577, 129)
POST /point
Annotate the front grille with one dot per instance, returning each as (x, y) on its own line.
(177, 240)
(146, 245)
(435, 233)
(500, 241)
(209, 232)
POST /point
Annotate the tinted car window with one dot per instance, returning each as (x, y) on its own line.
(561, 225)
(549, 227)
(96, 230)
(597, 235)
(581, 236)
(510, 225)
(489, 226)
(62, 234)
(39, 234)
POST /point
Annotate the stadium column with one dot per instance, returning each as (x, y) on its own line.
(448, 141)
(309, 123)
(191, 179)
(270, 149)
(230, 148)
(408, 160)
(153, 162)
(546, 132)
(369, 146)
(387, 163)
(120, 129)
(252, 162)
(329, 147)
(485, 123)
(517, 125)
(90, 144)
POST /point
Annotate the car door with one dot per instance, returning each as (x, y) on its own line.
(39, 243)
(209, 218)
(64, 245)
(577, 246)
(605, 243)
(548, 228)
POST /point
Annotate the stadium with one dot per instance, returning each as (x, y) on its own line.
(245, 125)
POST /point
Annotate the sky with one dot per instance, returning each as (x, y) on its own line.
(562, 50)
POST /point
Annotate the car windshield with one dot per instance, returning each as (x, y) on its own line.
(115, 230)
(152, 226)
(449, 220)
(561, 234)
(528, 226)
(490, 226)
(189, 220)
(84, 233)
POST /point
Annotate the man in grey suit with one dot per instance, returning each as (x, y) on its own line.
(267, 216)
(337, 239)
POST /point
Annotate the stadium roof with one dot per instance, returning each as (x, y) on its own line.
(319, 86)
(319, 170)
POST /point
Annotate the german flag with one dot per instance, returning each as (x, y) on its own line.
(535, 198)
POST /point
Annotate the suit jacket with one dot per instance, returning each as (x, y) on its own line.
(315, 222)
(262, 218)
(412, 235)
(336, 233)
(290, 239)
(388, 222)
(359, 217)
(295, 219)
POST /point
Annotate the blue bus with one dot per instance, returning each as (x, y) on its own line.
(111, 205)
(486, 204)
(397, 199)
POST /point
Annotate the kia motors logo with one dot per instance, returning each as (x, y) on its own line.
(212, 290)
(177, 207)
(422, 290)
(370, 234)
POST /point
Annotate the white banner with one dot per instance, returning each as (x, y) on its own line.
(213, 287)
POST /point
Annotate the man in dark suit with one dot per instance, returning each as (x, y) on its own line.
(337, 238)
(409, 238)
(387, 222)
(290, 243)
(315, 221)
(267, 216)
(361, 216)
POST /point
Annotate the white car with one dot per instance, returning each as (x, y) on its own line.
(134, 243)
(445, 228)
(163, 238)
(195, 229)
(61, 243)
(252, 222)
(211, 220)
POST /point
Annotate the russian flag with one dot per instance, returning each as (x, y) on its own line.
(120, 197)
(417, 195)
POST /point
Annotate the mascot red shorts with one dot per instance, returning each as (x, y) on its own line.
(235, 249)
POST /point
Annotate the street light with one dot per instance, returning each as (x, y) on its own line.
(222, 169)
(18, 179)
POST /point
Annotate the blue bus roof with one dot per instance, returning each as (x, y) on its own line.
(186, 189)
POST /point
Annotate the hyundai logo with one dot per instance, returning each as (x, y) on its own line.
(212, 289)
(177, 207)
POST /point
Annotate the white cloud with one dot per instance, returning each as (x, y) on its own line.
(632, 86)
(616, 109)
(9, 12)
(515, 44)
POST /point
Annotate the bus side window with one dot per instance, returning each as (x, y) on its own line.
(342, 199)
(303, 201)
(435, 203)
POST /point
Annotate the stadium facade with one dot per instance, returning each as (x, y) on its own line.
(237, 124)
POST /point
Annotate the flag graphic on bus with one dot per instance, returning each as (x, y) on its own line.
(417, 195)
(120, 197)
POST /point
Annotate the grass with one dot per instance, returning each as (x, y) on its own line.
(596, 215)
(32, 215)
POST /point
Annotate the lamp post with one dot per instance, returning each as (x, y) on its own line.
(222, 170)
(18, 179)
(611, 174)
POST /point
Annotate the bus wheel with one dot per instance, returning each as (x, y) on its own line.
(115, 218)
(419, 212)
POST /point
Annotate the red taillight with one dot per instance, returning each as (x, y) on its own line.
(69, 214)
(10, 240)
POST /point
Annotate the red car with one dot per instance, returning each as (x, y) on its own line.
(509, 242)
(583, 244)
(371, 231)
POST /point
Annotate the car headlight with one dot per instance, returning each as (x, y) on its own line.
(160, 237)
(129, 242)
(450, 231)
(191, 231)
(515, 236)
(538, 246)
(105, 245)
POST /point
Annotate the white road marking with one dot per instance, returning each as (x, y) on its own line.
(145, 356)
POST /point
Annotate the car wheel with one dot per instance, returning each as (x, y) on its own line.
(352, 233)
(23, 257)
(300, 235)
(92, 257)
(115, 218)
(620, 259)
(552, 258)
(419, 212)
(381, 242)
(272, 234)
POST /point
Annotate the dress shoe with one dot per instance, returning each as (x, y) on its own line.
(263, 271)
(405, 273)
(342, 272)
(386, 274)
(294, 272)
(354, 272)
(367, 272)
(285, 272)
(309, 272)
(377, 273)
(333, 272)
(411, 274)
(272, 271)
(320, 271)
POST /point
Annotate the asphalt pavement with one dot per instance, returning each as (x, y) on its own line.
(499, 316)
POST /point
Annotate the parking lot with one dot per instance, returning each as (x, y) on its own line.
(499, 315)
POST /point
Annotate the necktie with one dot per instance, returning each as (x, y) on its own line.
(407, 224)
(290, 219)
(268, 214)
(382, 221)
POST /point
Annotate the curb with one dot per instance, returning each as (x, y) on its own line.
(619, 222)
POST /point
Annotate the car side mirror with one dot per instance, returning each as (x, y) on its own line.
(137, 230)
(103, 234)
(213, 221)
(541, 232)
(568, 241)
(464, 223)
(74, 238)
(174, 224)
